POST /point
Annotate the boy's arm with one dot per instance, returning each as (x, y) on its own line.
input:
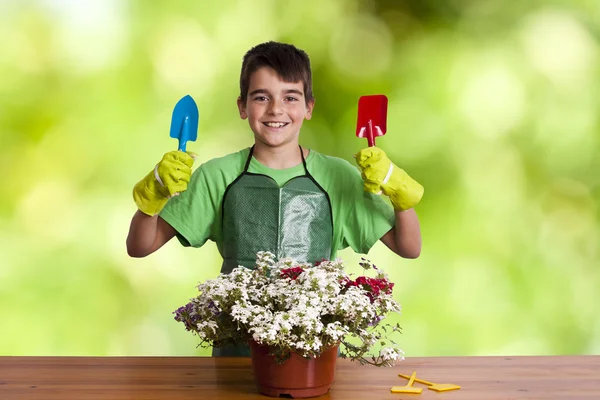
(147, 234)
(381, 175)
(404, 238)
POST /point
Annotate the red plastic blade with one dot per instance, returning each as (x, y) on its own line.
(372, 117)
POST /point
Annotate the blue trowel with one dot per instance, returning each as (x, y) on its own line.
(184, 122)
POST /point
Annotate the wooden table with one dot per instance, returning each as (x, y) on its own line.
(149, 378)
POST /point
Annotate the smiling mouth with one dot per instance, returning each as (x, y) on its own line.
(275, 124)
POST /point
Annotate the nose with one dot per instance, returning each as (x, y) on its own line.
(275, 107)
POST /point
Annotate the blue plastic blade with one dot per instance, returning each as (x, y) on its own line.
(184, 122)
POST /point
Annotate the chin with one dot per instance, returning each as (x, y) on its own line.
(273, 141)
(273, 144)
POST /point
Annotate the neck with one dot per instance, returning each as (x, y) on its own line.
(279, 158)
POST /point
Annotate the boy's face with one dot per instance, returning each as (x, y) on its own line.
(275, 109)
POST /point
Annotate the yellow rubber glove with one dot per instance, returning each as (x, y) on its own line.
(169, 178)
(381, 175)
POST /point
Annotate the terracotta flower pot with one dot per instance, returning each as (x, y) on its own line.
(296, 377)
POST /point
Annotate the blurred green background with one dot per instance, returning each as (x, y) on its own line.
(494, 108)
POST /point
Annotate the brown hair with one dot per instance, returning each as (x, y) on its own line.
(290, 63)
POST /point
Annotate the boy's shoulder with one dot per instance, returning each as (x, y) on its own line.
(335, 164)
(334, 173)
(231, 161)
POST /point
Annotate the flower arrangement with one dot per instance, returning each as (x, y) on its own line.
(300, 308)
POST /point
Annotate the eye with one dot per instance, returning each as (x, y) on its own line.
(260, 98)
(291, 98)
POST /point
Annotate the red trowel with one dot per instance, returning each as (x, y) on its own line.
(372, 117)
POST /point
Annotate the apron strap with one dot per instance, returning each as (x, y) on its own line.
(248, 160)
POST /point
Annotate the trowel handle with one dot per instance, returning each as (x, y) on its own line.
(370, 135)
(185, 134)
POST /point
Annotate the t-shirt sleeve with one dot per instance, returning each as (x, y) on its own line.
(369, 217)
(193, 212)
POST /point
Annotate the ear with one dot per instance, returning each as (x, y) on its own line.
(309, 108)
(242, 108)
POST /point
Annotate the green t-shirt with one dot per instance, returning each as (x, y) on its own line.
(359, 218)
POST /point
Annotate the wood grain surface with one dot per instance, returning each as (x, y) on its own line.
(480, 378)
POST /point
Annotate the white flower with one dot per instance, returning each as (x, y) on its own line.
(391, 354)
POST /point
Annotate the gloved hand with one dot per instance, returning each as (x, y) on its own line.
(169, 178)
(381, 175)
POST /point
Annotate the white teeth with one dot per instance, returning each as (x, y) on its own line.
(275, 124)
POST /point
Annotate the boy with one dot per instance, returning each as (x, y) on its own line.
(277, 195)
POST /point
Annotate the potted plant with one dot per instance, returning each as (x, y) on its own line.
(297, 318)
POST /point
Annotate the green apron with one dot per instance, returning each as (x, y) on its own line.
(294, 221)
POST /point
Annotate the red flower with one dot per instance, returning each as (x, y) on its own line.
(291, 273)
(373, 286)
